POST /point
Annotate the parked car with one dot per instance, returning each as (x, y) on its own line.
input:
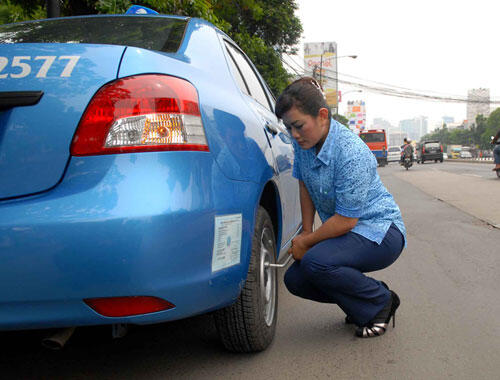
(429, 151)
(148, 178)
(393, 153)
(465, 154)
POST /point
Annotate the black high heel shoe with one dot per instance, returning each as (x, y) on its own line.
(378, 325)
(348, 319)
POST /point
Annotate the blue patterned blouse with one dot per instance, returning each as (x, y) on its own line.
(343, 179)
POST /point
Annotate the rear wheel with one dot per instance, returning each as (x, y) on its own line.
(249, 324)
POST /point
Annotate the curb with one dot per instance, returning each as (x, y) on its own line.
(472, 160)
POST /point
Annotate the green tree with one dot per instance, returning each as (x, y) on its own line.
(341, 119)
(264, 29)
(493, 126)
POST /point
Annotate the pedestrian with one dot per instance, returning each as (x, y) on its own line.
(362, 229)
(496, 150)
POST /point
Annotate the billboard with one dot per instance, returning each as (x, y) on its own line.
(320, 62)
(356, 114)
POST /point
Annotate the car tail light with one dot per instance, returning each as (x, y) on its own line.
(139, 114)
(441, 147)
(127, 306)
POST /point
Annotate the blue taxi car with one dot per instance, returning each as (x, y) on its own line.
(143, 178)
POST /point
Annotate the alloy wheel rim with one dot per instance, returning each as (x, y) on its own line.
(267, 276)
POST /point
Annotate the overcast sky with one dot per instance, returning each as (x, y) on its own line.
(441, 46)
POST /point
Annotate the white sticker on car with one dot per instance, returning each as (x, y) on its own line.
(21, 66)
(227, 241)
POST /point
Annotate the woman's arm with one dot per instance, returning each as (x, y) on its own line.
(335, 226)
(307, 208)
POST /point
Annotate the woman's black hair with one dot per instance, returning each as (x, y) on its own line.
(306, 95)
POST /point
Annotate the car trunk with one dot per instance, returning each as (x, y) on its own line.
(35, 139)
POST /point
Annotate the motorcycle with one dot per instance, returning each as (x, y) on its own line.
(407, 162)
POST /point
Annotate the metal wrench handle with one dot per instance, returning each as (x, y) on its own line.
(281, 265)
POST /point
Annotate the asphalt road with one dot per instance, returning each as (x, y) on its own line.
(474, 169)
(447, 325)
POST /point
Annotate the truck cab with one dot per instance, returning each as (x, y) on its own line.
(377, 142)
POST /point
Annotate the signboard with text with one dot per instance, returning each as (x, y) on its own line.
(320, 62)
(356, 114)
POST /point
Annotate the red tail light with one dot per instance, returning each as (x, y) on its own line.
(139, 114)
(127, 306)
(441, 148)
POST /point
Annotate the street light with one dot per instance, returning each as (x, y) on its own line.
(347, 92)
(336, 57)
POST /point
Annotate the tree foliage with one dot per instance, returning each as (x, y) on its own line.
(264, 29)
(478, 135)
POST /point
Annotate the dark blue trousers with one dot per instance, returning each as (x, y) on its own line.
(332, 272)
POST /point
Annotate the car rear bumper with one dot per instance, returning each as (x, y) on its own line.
(432, 156)
(125, 225)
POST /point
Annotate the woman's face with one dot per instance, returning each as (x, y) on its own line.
(307, 130)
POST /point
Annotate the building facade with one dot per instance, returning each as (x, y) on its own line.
(478, 103)
(380, 123)
(414, 128)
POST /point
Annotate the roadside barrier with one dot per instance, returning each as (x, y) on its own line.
(472, 160)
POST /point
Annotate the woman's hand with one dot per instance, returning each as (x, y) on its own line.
(299, 246)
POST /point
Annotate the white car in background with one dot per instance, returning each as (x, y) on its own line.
(393, 153)
(465, 154)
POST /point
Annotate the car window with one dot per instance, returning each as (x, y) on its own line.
(237, 75)
(154, 33)
(432, 145)
(394, 149)
(372, 137)
(249, 76)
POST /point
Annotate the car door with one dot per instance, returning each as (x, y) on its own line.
(263, 105)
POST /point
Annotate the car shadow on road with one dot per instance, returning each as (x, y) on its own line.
(91, 352)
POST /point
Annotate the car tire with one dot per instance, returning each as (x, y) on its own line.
(441, 160)
(249, 324)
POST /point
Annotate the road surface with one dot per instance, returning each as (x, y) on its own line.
(447, 325)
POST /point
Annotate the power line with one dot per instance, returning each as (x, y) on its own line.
(396, 91)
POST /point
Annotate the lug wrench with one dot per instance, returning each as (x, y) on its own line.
(281, 265)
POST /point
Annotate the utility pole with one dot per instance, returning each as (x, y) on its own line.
(321, 71)
(53, 8)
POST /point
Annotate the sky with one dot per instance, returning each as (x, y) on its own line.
(440, 46)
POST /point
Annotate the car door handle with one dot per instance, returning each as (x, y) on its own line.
(271, 128)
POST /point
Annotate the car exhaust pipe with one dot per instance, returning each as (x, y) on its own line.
(57, 340)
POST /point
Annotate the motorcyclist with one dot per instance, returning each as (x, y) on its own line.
(496, 151)
(406, 151)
